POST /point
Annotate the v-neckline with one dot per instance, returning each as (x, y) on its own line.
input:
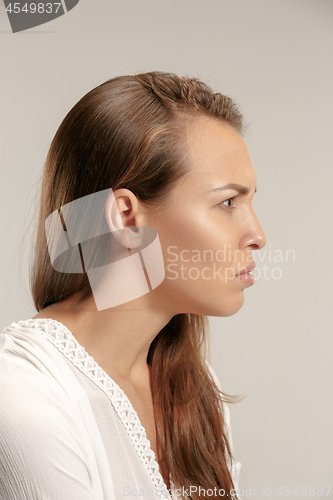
(62, 338)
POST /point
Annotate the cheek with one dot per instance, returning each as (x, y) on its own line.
(198, 244)
(197, 252)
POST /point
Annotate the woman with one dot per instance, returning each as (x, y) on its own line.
(106, 397)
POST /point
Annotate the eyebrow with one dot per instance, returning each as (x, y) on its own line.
(237, 187)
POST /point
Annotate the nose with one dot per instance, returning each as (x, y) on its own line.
(261, 239)
(254, 237)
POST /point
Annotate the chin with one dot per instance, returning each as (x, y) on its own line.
(227, 309)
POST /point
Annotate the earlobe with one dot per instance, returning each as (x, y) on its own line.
(130, 237)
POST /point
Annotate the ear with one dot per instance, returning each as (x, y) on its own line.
(121, 212)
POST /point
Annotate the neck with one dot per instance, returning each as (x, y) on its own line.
(118, 338)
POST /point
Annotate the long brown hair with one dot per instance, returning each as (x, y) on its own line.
(129, 132)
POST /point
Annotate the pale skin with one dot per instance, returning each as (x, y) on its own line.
(193, 218)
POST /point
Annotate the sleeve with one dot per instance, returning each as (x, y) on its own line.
(234, 466)
(41, 454)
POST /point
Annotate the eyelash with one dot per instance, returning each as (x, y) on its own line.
(231, 207)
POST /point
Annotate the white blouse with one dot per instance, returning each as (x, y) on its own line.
(67, 430)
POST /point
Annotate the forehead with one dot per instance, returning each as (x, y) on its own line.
(217, 155)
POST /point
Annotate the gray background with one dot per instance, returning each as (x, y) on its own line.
(275, 59)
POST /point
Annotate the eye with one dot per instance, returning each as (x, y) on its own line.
(228, 200)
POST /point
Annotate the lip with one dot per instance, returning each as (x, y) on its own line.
(246, 278)
(247, 269)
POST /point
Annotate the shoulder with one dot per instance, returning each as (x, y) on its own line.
(27, 359)
(29, 385)
(37, 388)
(40, 440)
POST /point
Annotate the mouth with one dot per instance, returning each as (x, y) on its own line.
(247, 269)
(245, 276)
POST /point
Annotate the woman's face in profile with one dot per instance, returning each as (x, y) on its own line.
(207, 238)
